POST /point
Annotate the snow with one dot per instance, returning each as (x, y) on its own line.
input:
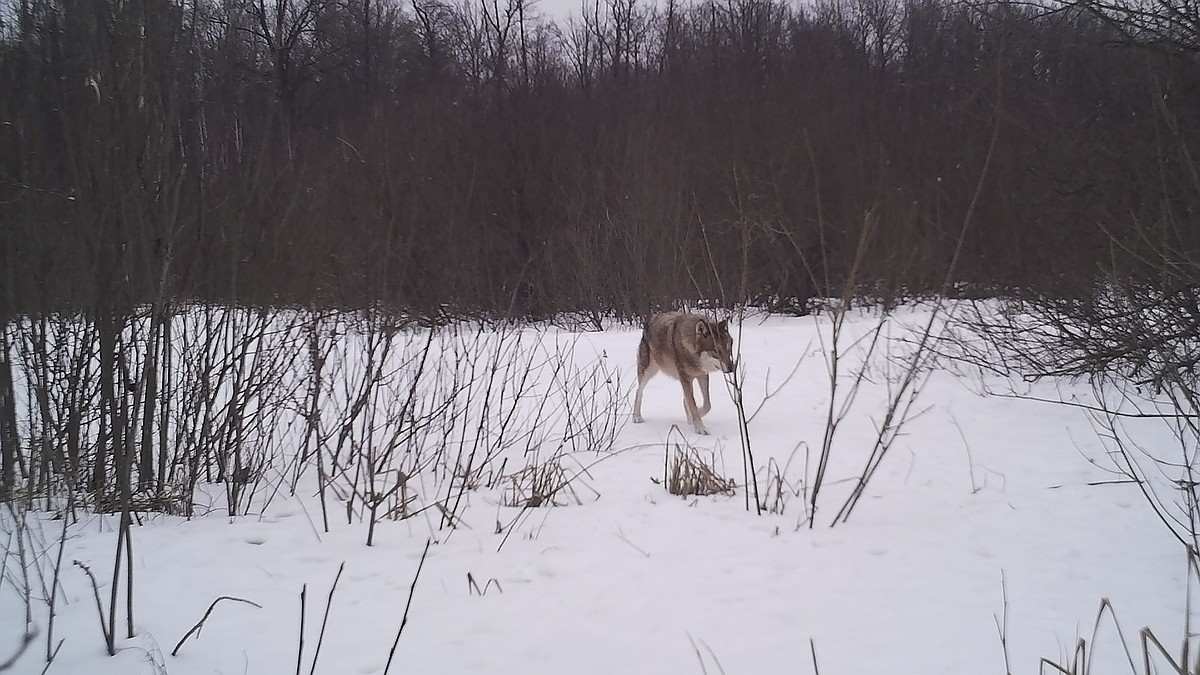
(982, 520)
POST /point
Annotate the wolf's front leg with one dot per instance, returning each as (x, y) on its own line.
(704, 392)
(689, 406)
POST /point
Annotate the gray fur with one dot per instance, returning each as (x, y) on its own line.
(686, 347)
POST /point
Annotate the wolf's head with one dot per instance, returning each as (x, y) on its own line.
(715, 345)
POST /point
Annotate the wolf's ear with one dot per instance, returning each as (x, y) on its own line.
(723, 326)
(702, 328)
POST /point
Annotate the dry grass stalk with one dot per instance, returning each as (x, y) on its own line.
(777, 489)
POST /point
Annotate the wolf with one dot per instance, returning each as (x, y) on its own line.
(686, 347)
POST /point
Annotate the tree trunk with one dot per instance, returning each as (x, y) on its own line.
(9, 439)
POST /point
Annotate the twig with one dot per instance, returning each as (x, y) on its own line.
(733, 382)
(768, 393)
(716, 661)
(699, 656)
(53, 655)
(970, 461)
(99, 604)
(1002, 623)
(200, 624)
(622, 537)
(54, 583)
(404, 619)
(300, 649)
(325, 619)
(513, 525)
(1098, 409)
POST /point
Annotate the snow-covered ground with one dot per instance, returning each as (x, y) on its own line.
(990, 518)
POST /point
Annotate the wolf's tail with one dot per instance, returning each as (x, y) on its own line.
(644, 351)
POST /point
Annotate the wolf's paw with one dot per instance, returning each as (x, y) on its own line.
(702, 431)
(637, 419)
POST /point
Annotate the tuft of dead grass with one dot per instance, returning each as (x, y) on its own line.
(540, 484)
(1146, 656)
(690, 473)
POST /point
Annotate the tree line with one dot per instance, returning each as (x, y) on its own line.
(448, 158)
